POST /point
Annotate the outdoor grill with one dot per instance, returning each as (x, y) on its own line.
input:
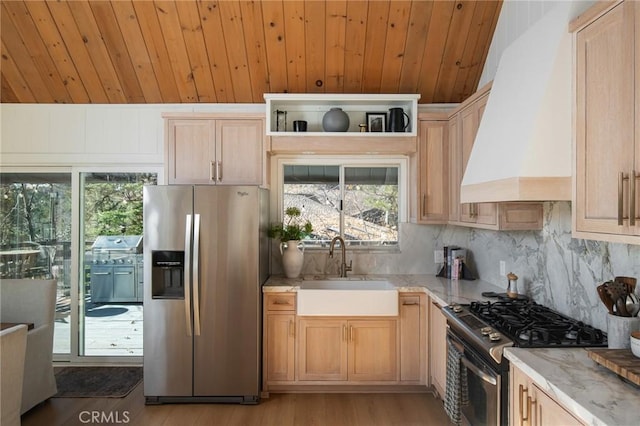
(116, 269)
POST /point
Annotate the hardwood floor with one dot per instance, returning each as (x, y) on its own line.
(278, 410)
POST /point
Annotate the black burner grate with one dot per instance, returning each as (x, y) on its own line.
(529, 324)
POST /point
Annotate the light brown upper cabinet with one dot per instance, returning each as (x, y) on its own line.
(455, 170)
(463, 126)
(469, 121)
(433, 169)
(607, 132)
(214, 149)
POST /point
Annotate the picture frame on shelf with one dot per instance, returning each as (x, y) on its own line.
(377, 121)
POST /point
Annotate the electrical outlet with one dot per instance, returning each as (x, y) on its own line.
(438, 256)
(503, 268)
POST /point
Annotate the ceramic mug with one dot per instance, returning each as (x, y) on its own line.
(299, 126)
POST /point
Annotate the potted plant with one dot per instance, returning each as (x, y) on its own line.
(291, 233)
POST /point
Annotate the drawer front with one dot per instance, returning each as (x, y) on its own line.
(280, 302)
(409, 300)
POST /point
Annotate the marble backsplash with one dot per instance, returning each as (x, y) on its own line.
(554, 269)
(415, 256)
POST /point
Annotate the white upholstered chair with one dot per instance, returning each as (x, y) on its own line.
(33, 301)
(13, 343)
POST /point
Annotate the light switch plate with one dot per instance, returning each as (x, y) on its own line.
(438, 256)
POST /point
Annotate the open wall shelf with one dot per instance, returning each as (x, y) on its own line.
(312, 107)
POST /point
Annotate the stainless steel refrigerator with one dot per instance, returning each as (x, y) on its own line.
(205, 259)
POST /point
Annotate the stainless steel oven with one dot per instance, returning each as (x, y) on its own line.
(480, 386)
(477, 334)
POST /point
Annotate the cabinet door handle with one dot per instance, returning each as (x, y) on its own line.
(410, 303)
(344, 333)
(521, 391)
(632, 198)
(280, 302)
(351, 332)
(530, 404)
(292, 329)
(620, 202)
(212, 173)
(424, 204)
(219, 171)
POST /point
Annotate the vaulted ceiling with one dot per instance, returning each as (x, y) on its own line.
(188, 51)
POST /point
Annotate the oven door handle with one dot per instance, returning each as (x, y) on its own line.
(484, 376)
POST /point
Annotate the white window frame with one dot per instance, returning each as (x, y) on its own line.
(400, 161)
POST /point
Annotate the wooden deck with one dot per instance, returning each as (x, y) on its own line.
(113, 329)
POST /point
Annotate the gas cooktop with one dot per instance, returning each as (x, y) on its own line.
(492, 326)
(531, 325)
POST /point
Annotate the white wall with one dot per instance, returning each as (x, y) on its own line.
(78, 135)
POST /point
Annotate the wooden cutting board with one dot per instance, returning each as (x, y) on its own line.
(620, 361)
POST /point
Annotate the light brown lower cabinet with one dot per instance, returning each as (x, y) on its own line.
(279, 337)
(299, 352)
(531, 406)
(280, 347)
(347, 350)
(413, 336)
(437, 348)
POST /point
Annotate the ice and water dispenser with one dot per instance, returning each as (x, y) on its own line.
(167, 274)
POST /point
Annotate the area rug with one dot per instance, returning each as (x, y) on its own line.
(96, 382)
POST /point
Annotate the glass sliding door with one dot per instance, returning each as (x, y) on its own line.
(35, 238)
(110, 293)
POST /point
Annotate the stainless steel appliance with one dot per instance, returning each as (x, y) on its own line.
(478, 332)
(206, 252)
(116, 269)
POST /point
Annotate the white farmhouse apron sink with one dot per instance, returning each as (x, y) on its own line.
(347, 298)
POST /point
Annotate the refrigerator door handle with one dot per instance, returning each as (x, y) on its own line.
(187, 274)
(196, 275)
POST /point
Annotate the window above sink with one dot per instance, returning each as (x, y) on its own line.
(363, 201)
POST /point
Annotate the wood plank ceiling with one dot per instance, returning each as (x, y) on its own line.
(186, 51)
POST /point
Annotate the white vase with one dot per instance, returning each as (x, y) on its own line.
(292, 258)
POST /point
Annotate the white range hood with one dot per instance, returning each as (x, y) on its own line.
(522, 151)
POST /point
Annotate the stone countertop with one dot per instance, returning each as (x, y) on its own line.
(589, 391)
(443, 290)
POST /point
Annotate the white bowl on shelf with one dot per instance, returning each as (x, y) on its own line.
(635, 343)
